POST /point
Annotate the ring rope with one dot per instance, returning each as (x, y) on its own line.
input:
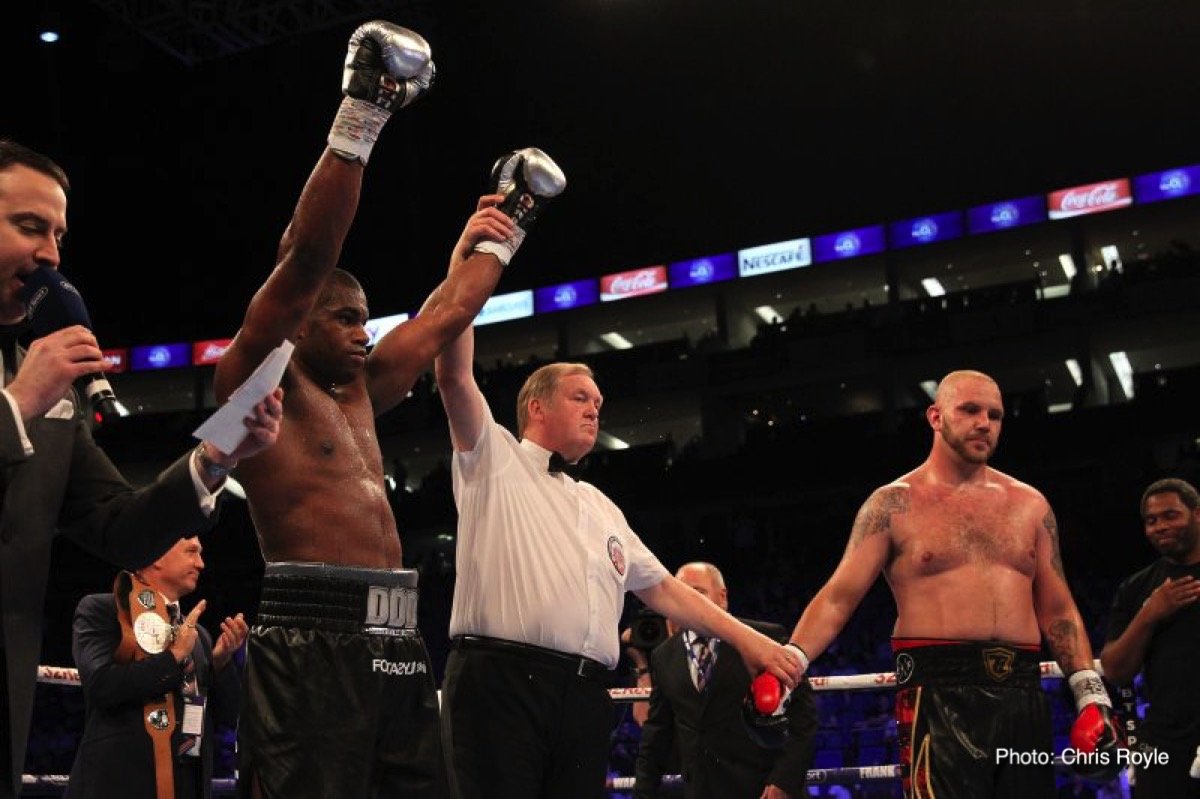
(66, 675)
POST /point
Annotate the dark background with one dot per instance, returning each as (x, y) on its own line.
(684, 128)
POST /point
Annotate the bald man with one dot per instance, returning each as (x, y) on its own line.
(972, 558)
(696, 702)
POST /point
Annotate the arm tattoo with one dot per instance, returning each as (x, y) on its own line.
(1051, 525)
(1061, 637)
(875, 516)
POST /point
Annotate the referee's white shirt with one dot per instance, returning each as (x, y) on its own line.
(542, 559)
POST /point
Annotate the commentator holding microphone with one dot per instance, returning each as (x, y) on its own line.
(52, 304)
(53, 477)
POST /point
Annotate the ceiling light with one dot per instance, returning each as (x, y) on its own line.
(1124, 370)
(609, 441)
(1111, 257)
(933, 287)
(768, 314)
(1068, 265)
(616, 341)
(1076, 372)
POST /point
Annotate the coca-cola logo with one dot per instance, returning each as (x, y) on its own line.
(638, 281)
(1092, 198)
(113, 360)
(207, 352)
(631, 284)
(1089, 199)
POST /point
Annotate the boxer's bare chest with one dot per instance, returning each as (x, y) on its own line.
(318, 494)
(973, 526)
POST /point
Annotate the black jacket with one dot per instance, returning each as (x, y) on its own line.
(718, 759)
(116, 755)
(68, 485)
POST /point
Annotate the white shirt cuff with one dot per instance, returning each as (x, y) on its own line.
(208, 499)
(16, 412)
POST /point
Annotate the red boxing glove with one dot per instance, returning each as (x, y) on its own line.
(1095, 739)
(1094, 730)
(764, 711)
(767, 693)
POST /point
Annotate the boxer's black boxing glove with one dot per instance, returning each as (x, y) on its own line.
(1094, 736)
(528, 179)
(387, 67)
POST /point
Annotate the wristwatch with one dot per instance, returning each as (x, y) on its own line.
(210, 467)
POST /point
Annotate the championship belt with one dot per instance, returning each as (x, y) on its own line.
(146, 630)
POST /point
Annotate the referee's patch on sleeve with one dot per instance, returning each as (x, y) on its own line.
(616, 553)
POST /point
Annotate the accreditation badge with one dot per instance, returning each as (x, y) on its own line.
(152, 634)
(192, 728)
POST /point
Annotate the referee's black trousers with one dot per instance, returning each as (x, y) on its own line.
(515, 727)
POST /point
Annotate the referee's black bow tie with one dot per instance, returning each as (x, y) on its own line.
(559, 464)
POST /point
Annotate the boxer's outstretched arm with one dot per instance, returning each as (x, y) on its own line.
(403, 354)
(1057, 615)
(461, 397)
(865, 556)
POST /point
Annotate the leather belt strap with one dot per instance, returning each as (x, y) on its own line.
(135, 598)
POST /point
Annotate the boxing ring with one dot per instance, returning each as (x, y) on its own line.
(55, 784)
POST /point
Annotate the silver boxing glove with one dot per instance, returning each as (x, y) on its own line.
(387, 67)
(528, 179)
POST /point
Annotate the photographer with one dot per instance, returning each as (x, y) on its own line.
(647, 631)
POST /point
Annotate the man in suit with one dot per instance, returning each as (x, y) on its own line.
(53, 477)
(699, 685)
(116, 755)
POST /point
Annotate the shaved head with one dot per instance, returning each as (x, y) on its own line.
(950, 384)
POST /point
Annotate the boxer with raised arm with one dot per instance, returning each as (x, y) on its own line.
(972, 558)
(340, 695)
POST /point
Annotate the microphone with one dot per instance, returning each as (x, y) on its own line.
(52, 303)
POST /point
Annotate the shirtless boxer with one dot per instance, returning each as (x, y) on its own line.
(340, 694)
(972, 558)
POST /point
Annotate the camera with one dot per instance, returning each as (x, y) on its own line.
(649, 629)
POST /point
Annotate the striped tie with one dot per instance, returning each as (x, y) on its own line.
(704, 661)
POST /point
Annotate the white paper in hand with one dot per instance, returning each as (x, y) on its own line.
(226, 429)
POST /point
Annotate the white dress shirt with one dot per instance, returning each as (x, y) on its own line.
(543, 559)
